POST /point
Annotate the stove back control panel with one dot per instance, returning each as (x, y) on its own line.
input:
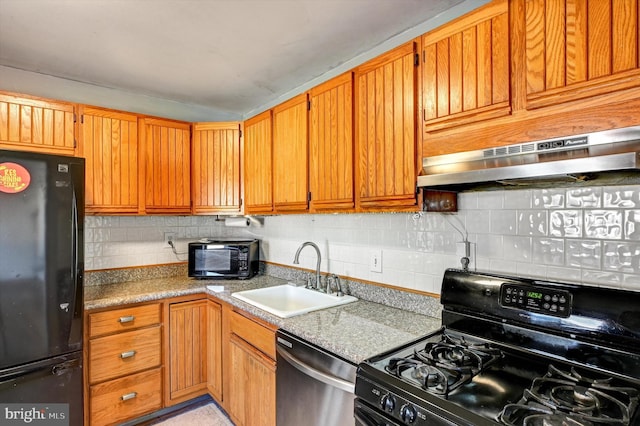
(547, 301)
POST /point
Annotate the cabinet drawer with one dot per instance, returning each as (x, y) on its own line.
(256, 334)
(124, 353)
(124, 319)
(126, 398)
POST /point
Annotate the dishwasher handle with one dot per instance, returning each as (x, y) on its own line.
(312, 372)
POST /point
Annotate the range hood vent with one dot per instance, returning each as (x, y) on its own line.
(571, 158)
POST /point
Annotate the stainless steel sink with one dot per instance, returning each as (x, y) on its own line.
(287, 300)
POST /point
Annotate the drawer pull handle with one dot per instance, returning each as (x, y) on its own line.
(127, 354)
(129, 318)
(128, 396)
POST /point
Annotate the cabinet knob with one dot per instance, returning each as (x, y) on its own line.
(127, 354)
(129, 318)
(128, 396)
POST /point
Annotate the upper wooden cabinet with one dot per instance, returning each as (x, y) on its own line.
(465, 69)
(34, 124)
(258, 164)
(290, 149)
(216, 167)
(331, 145)
(167, 164)
(579, 49)
(109, 143)
(385, 130)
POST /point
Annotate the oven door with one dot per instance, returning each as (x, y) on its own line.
(367, 416)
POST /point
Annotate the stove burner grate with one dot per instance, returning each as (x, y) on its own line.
(440, 367)
(569, 398)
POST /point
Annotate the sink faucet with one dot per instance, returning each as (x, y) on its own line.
(297, 261)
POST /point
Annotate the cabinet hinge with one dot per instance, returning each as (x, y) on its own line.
(416, 59)
(309, 196)
(240, 133)
(308, 105)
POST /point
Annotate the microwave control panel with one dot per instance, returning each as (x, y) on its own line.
(243, 259)
(555, 302)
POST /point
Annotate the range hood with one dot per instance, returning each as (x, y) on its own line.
(568, 158)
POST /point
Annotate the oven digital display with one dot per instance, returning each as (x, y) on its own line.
(534, 295)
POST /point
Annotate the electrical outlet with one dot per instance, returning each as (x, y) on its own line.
(375, 260)
(169, 237)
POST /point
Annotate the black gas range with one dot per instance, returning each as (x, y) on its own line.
(512, 351)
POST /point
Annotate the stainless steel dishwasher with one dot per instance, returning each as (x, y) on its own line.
(313, 387)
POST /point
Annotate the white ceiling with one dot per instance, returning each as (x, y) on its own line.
(234, 56)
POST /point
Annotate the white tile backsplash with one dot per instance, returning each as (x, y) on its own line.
(589, 235)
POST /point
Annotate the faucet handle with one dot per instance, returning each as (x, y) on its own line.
(333, 278)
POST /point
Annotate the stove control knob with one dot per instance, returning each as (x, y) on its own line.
(388, 403)
(408, 413)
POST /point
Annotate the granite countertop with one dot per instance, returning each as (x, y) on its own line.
(355, 331)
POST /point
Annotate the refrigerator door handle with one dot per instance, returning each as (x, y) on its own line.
(60, 369)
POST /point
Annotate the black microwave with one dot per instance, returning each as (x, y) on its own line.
(217, 258)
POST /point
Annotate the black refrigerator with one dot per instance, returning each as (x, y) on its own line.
(41, 273)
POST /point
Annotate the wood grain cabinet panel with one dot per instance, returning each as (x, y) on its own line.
(124, 363)
(216, 167)
(385, 96)
(117, 400)
(187, 350)
(252, 386)
(465, 69)
(124, 353)
(578, 49)
(123, 319)
(109, 143)
(167, 163)
(331, 145)
(290, 156)
(34, 124)
(258, 164)
(214, 349)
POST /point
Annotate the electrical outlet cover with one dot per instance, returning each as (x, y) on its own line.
(375, 260)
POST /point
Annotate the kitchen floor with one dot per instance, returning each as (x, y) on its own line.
(208, 414)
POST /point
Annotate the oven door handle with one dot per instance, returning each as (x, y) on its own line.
(316, 374)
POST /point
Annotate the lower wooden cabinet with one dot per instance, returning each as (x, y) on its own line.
(252, 385)
(118, 400)
(251, 371)
(124, 363)
(187, 357)
(214, 349)
(145, 357)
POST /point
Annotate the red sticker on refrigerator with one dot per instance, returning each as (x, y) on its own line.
(13, 178)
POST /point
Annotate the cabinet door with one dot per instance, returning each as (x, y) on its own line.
(252, 385)
(215, 157)
(167, 166)
(214, 349)
(109, 143)
(290, 146)
(258, 165)
(331, 145)
(33, 124)
(188, 350)
(578, 49)
(385, 131)
(465, 69)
